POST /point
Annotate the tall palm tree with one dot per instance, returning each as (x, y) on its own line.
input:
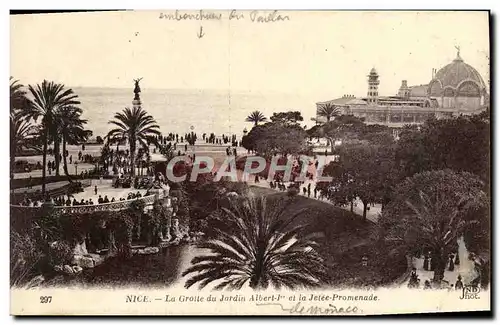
(432, 210)
(21, 131)
(260, 247)
(20, 128)
(18, 99)
(328, 111)
(71, 130)
(48, 97)
(135, 125)
(55, 139)
(256, 117)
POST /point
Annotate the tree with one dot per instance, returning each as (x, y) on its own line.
(256, 117)
(461, 143)
(21, 131)
(260, 249)
(290, 118)
(364, 171)
(20, 128)
(71, 130)
(274, 138)
(328, 111)
(137, 126)
(47, 99)
(18, 99)
(431, 210)
(343, 127)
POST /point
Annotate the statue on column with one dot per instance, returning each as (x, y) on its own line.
(137, 88)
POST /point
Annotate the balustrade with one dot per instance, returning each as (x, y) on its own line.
(112, 206)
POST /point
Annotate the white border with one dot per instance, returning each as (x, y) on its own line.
(185, 4)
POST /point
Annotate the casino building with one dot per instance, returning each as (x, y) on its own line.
(457, 88)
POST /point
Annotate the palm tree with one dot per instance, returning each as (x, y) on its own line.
(21, 131)
(256, 117)
(18, 99)
(20, 128)
(328, 111)
(47, 99)
(71, 130)
(259, 247)
(135, 125)
(432, 210)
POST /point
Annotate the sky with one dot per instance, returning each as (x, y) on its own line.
(319, 55)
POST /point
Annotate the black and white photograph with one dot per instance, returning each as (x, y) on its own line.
(250, 162)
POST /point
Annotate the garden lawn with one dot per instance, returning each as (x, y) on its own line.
(346, 239)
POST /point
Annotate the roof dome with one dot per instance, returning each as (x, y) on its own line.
(455, 75)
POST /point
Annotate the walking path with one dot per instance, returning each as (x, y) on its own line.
(465, 269)
(371, 214)
(35, 188)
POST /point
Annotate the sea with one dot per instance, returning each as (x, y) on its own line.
(182, 111)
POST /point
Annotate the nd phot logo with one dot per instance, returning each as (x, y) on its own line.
(470, 292)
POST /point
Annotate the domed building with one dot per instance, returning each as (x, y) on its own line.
(458, 85)
(457, 88)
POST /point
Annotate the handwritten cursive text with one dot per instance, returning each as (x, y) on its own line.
(314, 310)
(201, 15)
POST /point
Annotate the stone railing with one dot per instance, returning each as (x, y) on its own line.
(112, 206)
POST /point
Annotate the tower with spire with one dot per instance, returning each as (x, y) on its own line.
(373, 83)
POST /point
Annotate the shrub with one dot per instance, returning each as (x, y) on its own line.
(25, 258)
(60, 253)
(122, 225)
(292, 191)
(75, 187)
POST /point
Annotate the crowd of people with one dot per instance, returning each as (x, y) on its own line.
(414, 282)
(192, 137)
(69, 200)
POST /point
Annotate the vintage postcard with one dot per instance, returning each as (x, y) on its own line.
(257, 162)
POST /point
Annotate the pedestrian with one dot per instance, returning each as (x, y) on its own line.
(304, 190)
(426, 262)
(186, 147)
(315, 192)
(451, 263)
(309, 190)
(459, 284)
(95, 190)
(70, 159)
